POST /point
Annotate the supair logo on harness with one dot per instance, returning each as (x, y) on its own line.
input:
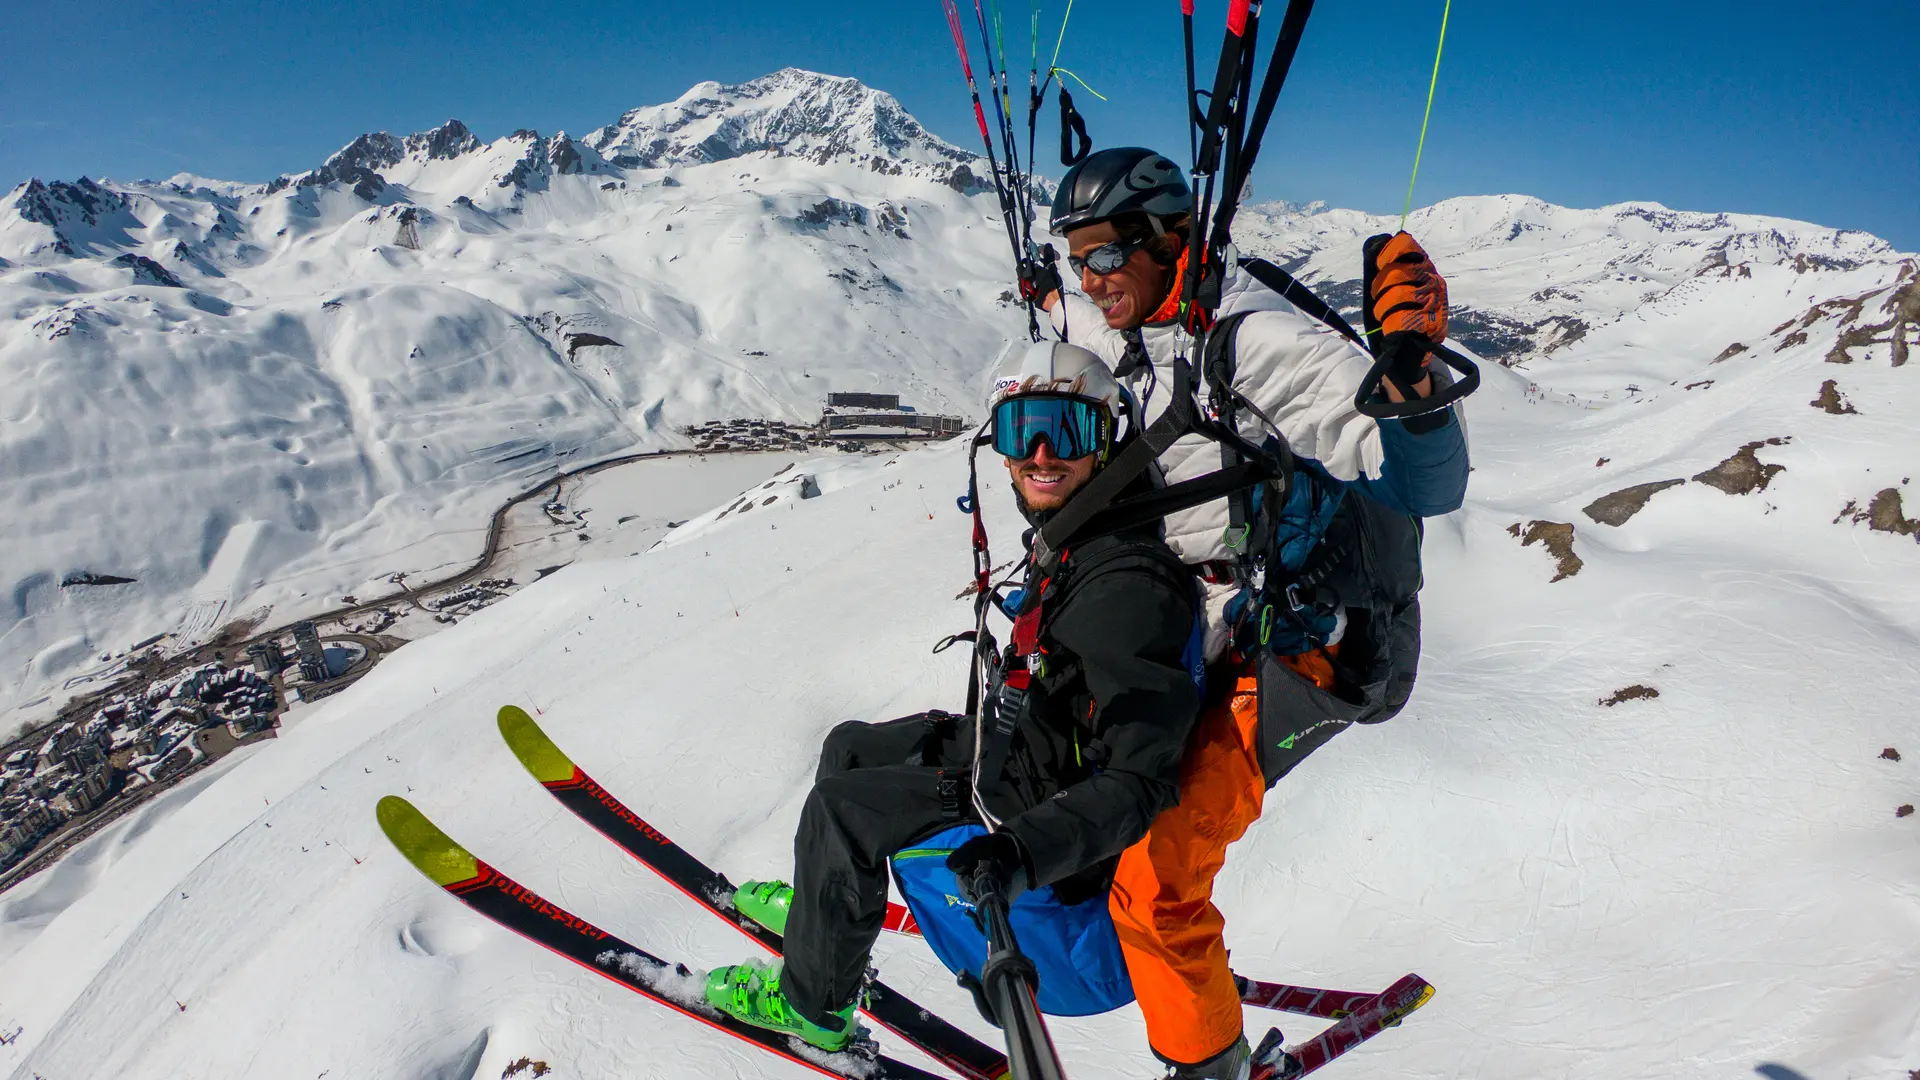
(1288, 742)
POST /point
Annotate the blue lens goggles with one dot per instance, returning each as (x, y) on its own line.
(1073, 427)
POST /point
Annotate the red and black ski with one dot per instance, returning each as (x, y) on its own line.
(545, 923)
(1384, 1010)
(578, 792)
(1305, 1000)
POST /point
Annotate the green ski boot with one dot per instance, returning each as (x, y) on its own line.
(765, 902)
(750, 992)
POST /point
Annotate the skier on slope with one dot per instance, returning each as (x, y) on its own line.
(1094, 755)
(1124, 215)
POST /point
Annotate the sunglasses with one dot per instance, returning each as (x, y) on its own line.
(1072, 427)
(1107, 258)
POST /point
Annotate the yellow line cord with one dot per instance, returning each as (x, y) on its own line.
(1053, 64)
(1431, 86)
(1082, 82)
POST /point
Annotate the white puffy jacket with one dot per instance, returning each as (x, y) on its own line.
(1301, 373)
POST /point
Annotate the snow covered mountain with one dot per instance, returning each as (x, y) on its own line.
(788, 113)
(1534, 278)
(253, 399)
(313, 383)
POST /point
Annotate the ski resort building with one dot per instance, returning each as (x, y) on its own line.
(266, 657)
(881, 416)
(308, 653)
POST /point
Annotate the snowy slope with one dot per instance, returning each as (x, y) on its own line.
(1690, 885)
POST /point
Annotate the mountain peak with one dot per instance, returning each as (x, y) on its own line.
(380, 150)
(790, 112)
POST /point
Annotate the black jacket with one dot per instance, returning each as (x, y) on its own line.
(1097, 754)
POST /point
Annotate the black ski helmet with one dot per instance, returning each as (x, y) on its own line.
(1123, 180)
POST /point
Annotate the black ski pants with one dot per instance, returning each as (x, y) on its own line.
(878, 789)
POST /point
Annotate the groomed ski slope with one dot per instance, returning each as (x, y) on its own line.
(1694, 885)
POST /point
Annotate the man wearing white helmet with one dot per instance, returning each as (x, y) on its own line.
(1093, 706)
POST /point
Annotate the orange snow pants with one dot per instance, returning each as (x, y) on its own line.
(1162, 898)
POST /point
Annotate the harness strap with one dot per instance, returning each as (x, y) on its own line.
(1004, 708)
(1301, 297)
(1219, 357)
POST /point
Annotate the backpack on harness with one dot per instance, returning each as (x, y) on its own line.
(1324, 553)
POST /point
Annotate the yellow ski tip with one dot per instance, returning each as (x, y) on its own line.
(425, 846)
(543, 759)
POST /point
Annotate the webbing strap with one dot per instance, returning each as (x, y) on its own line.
(1218, 356)
(1293, 26)
(1301, 297)
(1004, 708)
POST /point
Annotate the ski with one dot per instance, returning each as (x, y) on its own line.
(514, 906)
(1305, 1000)
(578, 792)
(1386, 1009)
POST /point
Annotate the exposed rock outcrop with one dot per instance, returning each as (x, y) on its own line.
(1832, 400)
(1636, 692)
(1557, 538)
(146, 271)
(1617, 508)
(1742, 473)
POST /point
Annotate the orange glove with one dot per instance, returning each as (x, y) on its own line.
(1406, 302)
(1404, 291)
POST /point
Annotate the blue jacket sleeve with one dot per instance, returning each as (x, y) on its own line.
(1422, 474)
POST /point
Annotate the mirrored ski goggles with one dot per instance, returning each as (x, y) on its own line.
(1073, 427)
(1107, 258)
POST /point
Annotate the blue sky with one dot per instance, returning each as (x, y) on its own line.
(1788, 109)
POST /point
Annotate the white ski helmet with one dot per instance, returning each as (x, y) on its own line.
(1059, 370)
(1058, 367)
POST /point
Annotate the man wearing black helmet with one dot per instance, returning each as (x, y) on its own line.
(1124, 215)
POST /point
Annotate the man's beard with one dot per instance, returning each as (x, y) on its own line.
(1038, 516)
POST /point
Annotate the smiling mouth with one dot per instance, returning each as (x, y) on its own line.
(1046, 481)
